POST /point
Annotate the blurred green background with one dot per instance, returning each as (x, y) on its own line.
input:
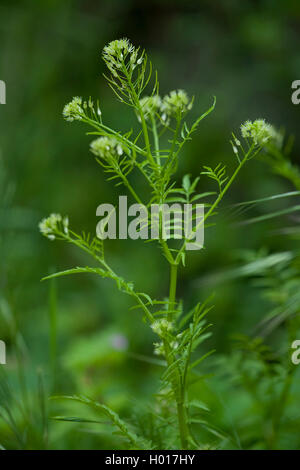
(244, 52)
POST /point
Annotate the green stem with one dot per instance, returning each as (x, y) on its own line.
(130, 188)
(170, 159)
(53, 329)
(146, 135)
(178, 387)
(172, 291)
(104, 130)
(178, 120)
(155, 137)
(136, 102)
(179, 394)
(182, 422)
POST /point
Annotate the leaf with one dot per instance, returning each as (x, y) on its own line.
(268, 198)
(75, 419)
(206, 113)
(213, 430)
(169, 373)
(201, 196)
(77, 270)
(261, 218)
(198, 404)
(186, 183)
(135, 441)
(198, 361)
(147, 359)
(147, 297)
(218, 174)
(254, 268)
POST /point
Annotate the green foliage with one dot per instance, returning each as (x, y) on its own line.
(120, 154)
(123, 429)
(65, 327)
(265, 376)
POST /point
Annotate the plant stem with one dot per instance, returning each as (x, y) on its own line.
(180, 401)
(171, 158)
(146, 135)
(180, 396)
(53, 329)
(104, 130)
(183, 428)
(136, 103)
(172, 290)
(155, 137)
(130, 188)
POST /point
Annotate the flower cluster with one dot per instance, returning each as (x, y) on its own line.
(120, 52)
(159, 348)
(176, 102)
(73, 110)
(150, 105)
(53, 225)
(162, 326)
(259, 131)
(106, 147)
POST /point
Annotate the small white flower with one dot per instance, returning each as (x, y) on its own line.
(259, 131)
(66, 224)
(73, 110)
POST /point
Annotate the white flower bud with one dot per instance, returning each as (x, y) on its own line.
(73, 110)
